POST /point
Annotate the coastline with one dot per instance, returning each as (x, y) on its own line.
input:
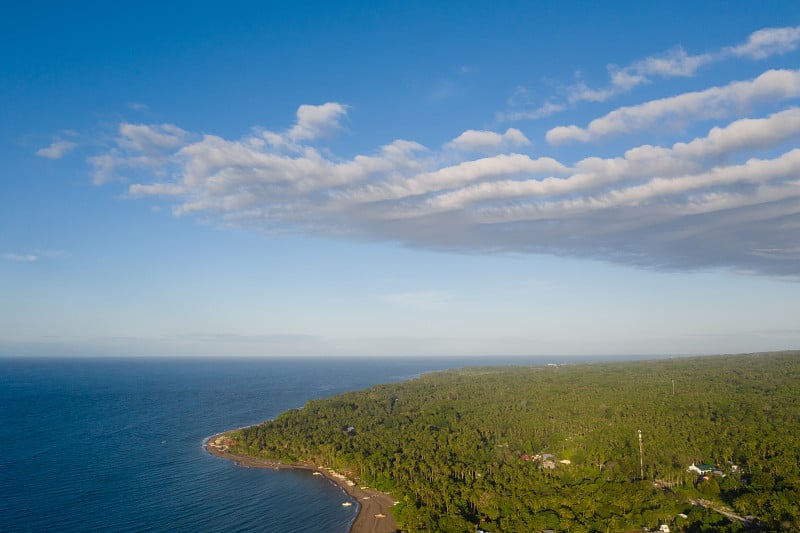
(374, 507)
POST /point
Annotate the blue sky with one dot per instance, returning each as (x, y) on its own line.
(296, 179)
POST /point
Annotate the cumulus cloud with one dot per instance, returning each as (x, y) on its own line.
(682, 188)
(488, 141)
(727, 198)
(137, 147)
(57, 149)
(452, 177)
(715, 102)
(745, 133)
(149, 138)
(680, 165)
(767, 42)
(314, 121)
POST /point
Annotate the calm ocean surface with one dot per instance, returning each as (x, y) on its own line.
(116, 445)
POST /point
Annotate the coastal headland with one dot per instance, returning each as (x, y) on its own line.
(374, 506)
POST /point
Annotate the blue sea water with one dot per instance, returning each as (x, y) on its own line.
(116, 445)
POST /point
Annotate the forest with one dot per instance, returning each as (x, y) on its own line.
(532, 448)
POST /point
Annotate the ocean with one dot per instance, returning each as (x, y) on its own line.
(116, 444)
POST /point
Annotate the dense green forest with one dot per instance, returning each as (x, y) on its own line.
(471, 448)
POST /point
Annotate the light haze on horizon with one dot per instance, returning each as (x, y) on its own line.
(310, 179)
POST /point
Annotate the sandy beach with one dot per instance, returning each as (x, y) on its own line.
(374, 514)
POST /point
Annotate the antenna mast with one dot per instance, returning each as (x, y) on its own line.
(641, 457)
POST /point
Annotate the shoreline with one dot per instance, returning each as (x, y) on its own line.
(374, 507)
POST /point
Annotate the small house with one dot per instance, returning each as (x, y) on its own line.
(701, 469)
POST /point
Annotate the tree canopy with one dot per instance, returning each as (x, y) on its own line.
(473, 446)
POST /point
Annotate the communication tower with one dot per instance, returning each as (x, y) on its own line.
(641, 456)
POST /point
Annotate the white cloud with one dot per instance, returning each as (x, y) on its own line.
(103, 166)
(743, 134)
(716, 102)
(32, 257)
(454, 176)
(677, 62)
(674, 63)
(593, 173)
(155, 189)
(23, 258)
(57, 149)
(520, 97)
(138, 147)
(768, 42)
(670, 193)
(545, 110)
(148, 138)
(314, 121)
(698, 203)
(488, 141)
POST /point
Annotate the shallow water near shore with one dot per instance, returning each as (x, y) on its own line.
(110, 444)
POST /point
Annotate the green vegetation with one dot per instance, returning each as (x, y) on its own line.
(451, 445)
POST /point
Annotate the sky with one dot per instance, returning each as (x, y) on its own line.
(404, 178)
